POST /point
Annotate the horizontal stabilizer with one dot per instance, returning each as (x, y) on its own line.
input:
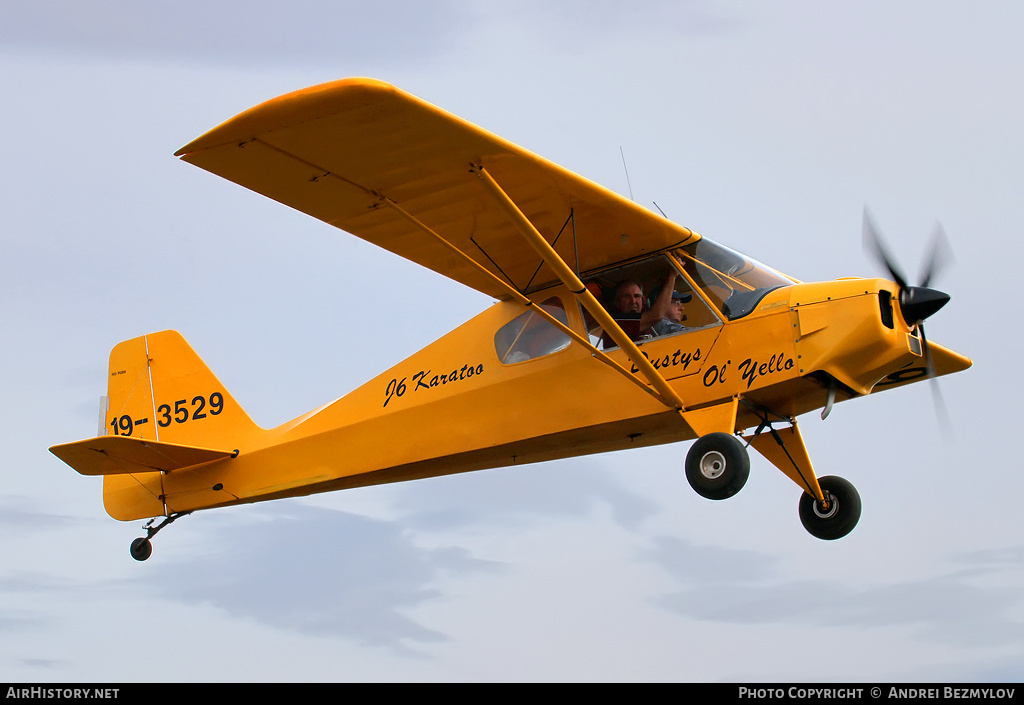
(119, 455)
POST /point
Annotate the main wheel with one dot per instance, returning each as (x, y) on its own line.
(837, 515)
(717, 466)
(141, 549)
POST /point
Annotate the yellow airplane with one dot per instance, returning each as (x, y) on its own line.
(613, 328)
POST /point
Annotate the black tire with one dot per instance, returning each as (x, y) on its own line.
(836, 519)
(717, 466)
(141, 549)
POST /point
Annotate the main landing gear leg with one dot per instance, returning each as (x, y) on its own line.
(830, 506)
(717, 466)
(142, 547)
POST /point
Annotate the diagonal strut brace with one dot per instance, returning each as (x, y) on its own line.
(516, 295)
(576, 287)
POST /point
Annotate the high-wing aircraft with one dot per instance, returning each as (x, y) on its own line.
(613, 328)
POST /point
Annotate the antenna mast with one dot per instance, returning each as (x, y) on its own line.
(623, 155)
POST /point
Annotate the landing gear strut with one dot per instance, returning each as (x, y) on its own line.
(838, 511)
(142, 547)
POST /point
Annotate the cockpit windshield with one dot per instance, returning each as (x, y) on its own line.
(734, 282)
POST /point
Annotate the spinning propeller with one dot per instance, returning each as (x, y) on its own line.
(916, 302)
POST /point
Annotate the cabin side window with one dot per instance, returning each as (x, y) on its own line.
(636, 296)
(529, 335)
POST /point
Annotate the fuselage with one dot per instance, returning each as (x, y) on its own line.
(464, 403)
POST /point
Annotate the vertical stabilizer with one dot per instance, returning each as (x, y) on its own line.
(159, 390)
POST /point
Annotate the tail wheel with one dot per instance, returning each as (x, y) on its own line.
(835, 517)
(717, 466)
(141, 549)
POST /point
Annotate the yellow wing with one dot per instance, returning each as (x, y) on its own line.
(339, 151)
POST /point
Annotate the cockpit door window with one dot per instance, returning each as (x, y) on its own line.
(529, 335)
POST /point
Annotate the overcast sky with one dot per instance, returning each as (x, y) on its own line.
(765, 126)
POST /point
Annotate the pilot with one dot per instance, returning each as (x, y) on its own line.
(629, 310)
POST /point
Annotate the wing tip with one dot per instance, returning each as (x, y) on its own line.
(297, 106)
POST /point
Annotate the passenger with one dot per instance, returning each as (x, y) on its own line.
(673, 320)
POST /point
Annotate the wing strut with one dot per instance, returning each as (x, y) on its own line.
(569, 278)
(524, 300)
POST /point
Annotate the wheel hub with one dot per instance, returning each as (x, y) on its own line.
(828, 508)
(712, 465)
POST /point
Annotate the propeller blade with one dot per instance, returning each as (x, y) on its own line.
(873, 243)
(926, 351)
(917, 302)
(941, 412)
(940, 256)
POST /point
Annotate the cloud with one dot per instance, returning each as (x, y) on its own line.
(325, 572)
(644, 18)
(964, 607)
(18, 515)
(9, 623)
(511, 496)
(319, 572)
(261, 32)
(317, 33)
(42, 663)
